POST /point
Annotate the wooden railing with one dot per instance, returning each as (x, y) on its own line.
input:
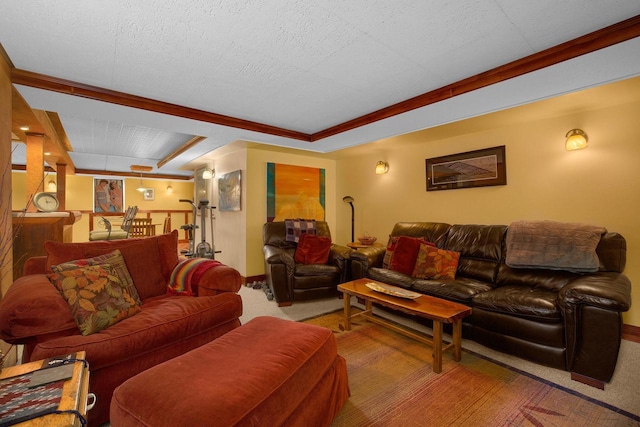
(182, 216)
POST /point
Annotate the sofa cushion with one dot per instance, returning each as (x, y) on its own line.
(163, 322)
(257, 374)
(461, 290)
(435, 263)
(140, 254)
(405, 254)
(313, 249)
(33, 307)
(522, 301)
(96, 296)
(391, 277)
(114, 259)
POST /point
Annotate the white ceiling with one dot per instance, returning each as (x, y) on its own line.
(299, 65)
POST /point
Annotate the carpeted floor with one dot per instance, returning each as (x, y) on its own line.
(392, 384)
(621, 392)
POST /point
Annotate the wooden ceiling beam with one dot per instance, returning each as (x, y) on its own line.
(53, 144)
(605, 37)
(609, 36)
(187, 145)
(68, 87)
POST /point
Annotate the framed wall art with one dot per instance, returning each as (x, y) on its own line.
(479, 168)
(295, 192)
(149, 194)
(230, 191)
(108, 195)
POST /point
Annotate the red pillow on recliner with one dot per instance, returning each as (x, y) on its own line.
(313, 249)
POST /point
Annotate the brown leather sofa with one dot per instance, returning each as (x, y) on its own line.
(290, 281)
(566, 320)
(34, 313)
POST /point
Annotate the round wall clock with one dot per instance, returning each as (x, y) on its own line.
(46, 202)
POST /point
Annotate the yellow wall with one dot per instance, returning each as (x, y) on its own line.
(599, 185)
(257, 159)
(80, 198)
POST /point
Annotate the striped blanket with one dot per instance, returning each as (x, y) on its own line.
(185, 276)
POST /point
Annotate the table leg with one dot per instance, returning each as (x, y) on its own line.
(457, 340)
(347, 311)
(437, 347)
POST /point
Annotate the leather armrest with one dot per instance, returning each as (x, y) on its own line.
(606, 290)
(340, 253)
(370, 257)
(276, 255)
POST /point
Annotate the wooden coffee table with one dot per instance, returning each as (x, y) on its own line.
(438, 310)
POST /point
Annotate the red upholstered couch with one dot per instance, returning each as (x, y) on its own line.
(35, 314)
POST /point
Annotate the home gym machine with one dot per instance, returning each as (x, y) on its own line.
(203, 249)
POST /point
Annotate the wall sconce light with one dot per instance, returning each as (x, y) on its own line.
(169, 189)
(382, 167)
(208, 173)
(577, 139)
(52, 186)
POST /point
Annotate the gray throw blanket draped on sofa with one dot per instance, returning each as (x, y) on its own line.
(553, 245)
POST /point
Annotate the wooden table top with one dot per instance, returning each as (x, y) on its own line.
(74, 394)
(424, 306)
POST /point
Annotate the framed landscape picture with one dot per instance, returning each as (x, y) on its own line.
(479, 168)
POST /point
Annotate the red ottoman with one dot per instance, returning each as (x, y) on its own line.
(269, 372)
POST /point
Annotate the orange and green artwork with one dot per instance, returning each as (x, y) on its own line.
(295, 192)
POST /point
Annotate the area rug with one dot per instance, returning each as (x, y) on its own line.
(392, 384)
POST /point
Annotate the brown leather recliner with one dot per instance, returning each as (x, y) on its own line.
(290, 281)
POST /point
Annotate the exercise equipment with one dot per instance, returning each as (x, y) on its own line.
(203, 249)
(190, 229)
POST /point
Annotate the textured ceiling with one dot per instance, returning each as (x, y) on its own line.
(299, 65)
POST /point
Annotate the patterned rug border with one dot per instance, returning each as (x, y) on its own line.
(608, 406)
(557, 386)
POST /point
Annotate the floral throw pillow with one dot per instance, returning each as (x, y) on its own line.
(95, 295)
(114, 259)
(435, 263)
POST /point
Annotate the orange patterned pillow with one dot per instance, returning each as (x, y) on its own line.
(114, 259)
(95, 295)
(435, 263)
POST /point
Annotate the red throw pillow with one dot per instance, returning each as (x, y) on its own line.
(435, 263)
(405, 254)
(313, 249)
